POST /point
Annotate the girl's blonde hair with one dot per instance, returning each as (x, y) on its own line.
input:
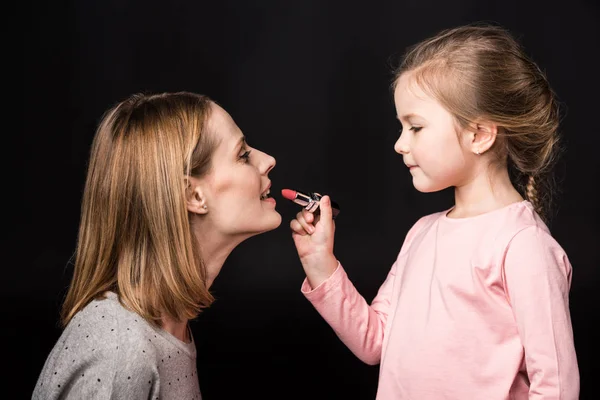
(480, 72)
(134, 235)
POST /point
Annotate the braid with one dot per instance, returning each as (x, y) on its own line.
(532, 194)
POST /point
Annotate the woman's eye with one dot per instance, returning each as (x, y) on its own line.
(245, 156)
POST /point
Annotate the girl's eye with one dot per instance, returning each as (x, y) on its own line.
(416, 129)
(246, 156)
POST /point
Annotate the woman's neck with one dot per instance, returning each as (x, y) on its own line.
(178, 329)
(214, 254)
(215, 249)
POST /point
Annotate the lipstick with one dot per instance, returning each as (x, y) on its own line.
(310, 201)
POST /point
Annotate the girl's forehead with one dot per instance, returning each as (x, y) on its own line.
(409, 93)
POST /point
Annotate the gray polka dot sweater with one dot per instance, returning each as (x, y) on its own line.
(108, 352)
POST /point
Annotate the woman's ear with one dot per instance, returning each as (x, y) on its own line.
(484, 136)
(195, 197)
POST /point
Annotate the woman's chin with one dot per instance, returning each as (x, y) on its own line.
(270, 222)
(274, 221)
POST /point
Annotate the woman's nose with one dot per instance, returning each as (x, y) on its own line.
(267, 164)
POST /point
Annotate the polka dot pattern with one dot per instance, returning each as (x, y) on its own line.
(108, 349)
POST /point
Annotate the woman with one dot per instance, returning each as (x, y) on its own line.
(172, 188)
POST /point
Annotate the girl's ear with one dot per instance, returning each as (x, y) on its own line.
(484, 136)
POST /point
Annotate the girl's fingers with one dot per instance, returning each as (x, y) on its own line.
(308, 216)
(297, 228)
(307, 226)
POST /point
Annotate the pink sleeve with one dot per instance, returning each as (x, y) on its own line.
(537, 276)
(358, 325)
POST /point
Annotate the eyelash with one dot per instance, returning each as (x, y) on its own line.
(415, 129)
(246, 156)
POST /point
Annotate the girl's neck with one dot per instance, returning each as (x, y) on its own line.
(486, 191)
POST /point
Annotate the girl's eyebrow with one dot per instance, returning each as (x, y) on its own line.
(408, 116)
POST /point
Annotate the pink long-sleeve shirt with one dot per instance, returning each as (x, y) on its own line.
(473, 308)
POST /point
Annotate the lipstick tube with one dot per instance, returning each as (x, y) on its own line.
(310, 201)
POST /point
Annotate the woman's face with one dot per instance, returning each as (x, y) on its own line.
(234, 190)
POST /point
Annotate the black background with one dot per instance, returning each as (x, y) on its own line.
(307, 82)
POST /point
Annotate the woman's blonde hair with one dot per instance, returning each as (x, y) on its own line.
(134, 236)
(480, 71)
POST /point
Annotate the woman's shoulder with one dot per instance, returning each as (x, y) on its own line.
(106, 326)
(102, 312)
(98, 342)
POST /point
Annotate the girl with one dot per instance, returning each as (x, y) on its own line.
(172, 188)
(476, 305)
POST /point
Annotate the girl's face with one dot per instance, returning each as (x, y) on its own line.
(430, 142)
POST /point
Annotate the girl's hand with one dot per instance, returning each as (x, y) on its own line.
(313, 236)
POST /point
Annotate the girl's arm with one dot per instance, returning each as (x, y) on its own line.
(537, 277)
(357, 324)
